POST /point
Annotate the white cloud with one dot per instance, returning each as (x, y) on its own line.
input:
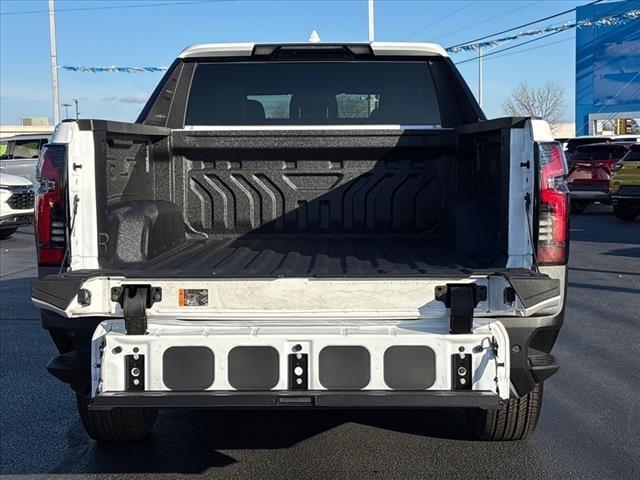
(137, 98)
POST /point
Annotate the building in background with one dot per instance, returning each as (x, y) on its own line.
(607, 72)
(28, 125)
(563, 130)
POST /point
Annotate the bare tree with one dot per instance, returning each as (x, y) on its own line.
(546, 102)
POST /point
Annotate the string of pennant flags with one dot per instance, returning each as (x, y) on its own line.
(84, 68)
(611, 20)
(619, 19)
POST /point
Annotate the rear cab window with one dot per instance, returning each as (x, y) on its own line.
(313, 93)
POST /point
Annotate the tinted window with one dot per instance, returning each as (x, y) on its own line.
(576, 142)
(274, 106)
(26, 148)
(605, 152)
(633, 154)
(316, 93)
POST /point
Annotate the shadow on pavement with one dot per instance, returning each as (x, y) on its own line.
(443, 423)
(190, 442)
(608, 288)
(609, 228)
(599, 270)
(625, 252)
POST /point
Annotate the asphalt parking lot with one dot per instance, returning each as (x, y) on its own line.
(588, 429)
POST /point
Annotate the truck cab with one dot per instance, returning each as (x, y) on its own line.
(304, 226)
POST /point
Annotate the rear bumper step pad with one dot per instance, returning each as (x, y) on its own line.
(542, 366)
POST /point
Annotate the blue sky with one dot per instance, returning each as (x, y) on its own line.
(153, 36)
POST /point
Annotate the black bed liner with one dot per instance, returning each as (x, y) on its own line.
(256, 255)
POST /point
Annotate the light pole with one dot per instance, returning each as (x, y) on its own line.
(371, 24)
(54, 64)
(77, 112)
(66, 110)
(480, 76)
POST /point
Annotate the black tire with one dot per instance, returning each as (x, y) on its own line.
(578, 206)
(624, 213)
(7, 232)
(118, 424)
(515, 421)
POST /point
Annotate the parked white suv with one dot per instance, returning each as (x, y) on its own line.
(16, 204)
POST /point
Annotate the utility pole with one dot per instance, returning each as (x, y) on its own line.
(66, 110)
(54, 64)
(480, 76)
(371, 24)
(77, 112)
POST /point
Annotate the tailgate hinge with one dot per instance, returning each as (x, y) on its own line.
(134, 300)
(461, 299)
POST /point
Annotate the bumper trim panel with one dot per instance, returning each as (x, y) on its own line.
(296, 399)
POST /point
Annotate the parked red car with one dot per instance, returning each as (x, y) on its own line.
(590, 172)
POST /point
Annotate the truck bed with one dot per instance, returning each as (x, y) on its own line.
(255, 255)
(198, 203)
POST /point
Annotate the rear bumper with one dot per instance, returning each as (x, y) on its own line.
(295, 400)
(14, 220)
(589, 195)
(630, 200)
(530, 340)
(340, 364)
(592, 191)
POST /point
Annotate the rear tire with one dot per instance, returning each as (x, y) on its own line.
(515, 421)
(118, 424)
(7, 232)
(578, 206)
(624, 213)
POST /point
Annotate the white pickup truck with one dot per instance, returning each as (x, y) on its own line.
(304, 226)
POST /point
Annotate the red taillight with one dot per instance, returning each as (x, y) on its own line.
(553, 228)
(50, 216)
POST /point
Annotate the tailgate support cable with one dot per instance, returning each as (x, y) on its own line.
(529, 221)
(74, 214)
